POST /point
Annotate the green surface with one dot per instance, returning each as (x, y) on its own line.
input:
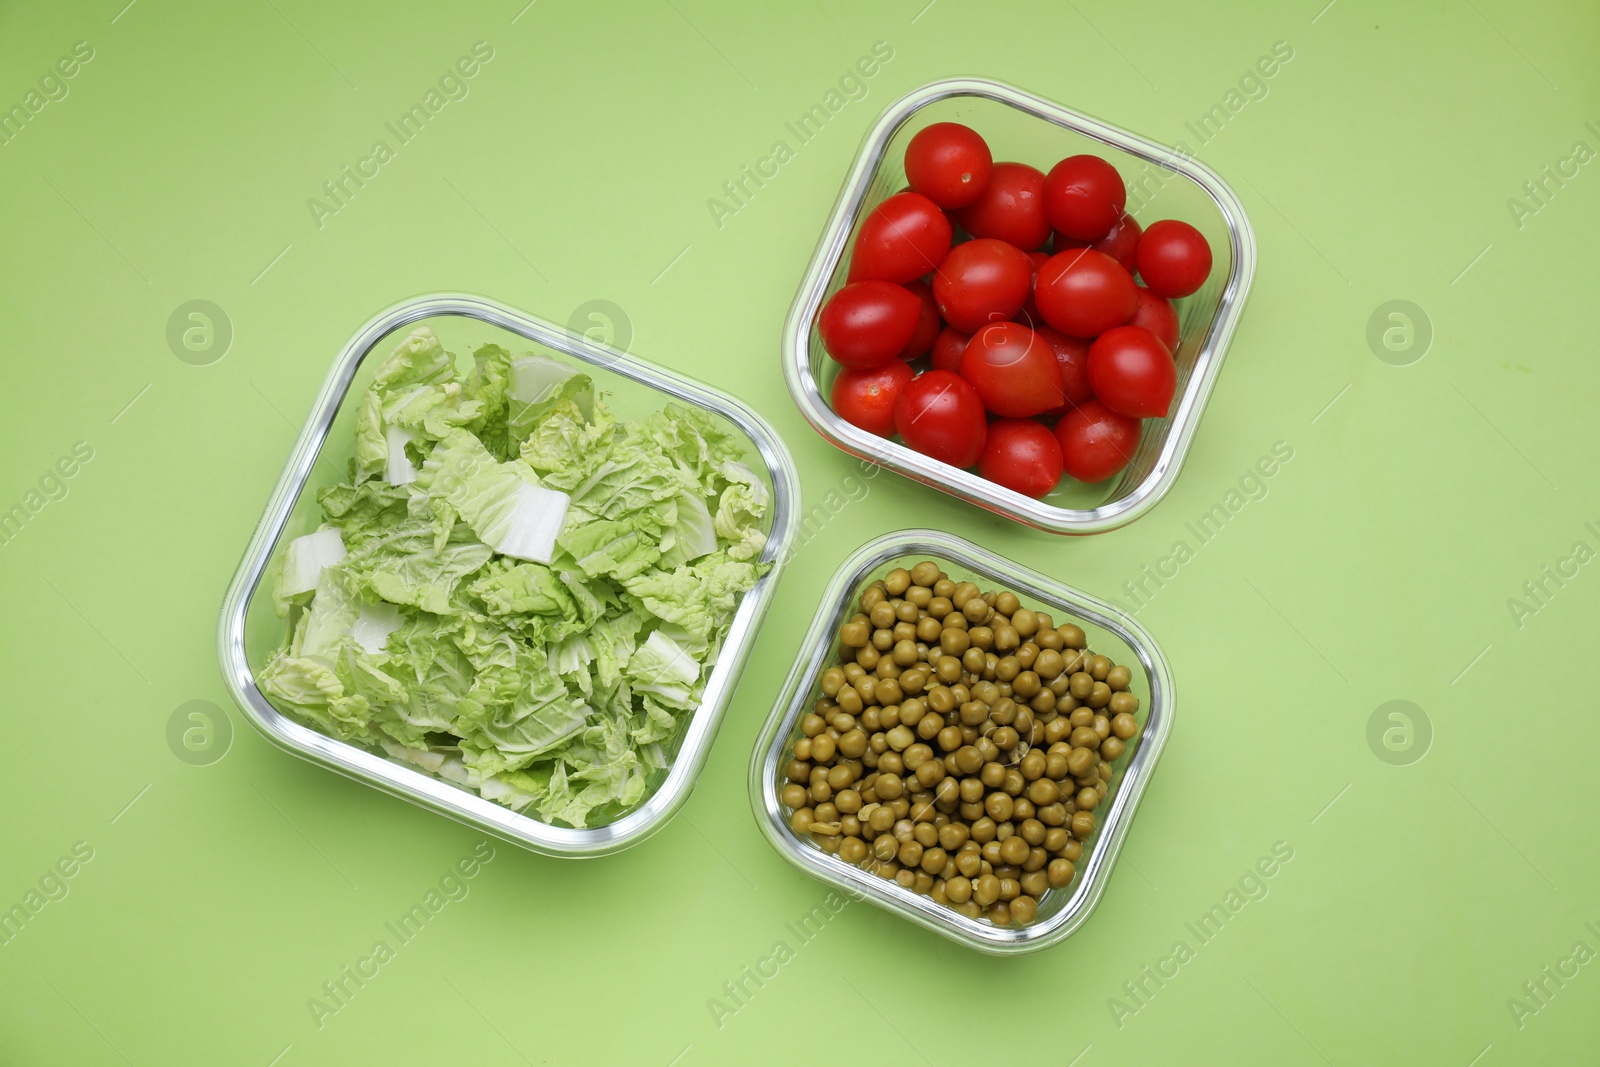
(1378, 566)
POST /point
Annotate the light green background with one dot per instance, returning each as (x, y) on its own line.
(1378, 567)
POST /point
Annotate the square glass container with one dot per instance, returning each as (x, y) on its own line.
(1110, 632)
(1162, 183)
(249, 628)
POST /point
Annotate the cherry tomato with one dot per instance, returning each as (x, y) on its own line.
(1084, 197)
(1096, 442)
(865, 398)
(927, 326)
(868, 323)
(1084, 293)
(1156, 314)
(1011, 208)
(949, 164)
(1132, 372)
(940, 415)
(947, 349)
(904, 238)
(1072, 358)
(1174, 259)
(1013, 369)
(1021, 455)
(1119, 244)
(1029, 313)
(981, 281)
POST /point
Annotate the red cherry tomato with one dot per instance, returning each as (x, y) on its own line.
(1029, 313)
(868, 323)
(981, 281)
(1119, 244)
(1084, 293)
(1011, 208)
(1084, 197)
(1096, 442)
(1173, 258)
(1072, 359)
(1156, 314)
(949, 164)
(865, 398)
(1021, 455)
(1013, 369)
(947, 349)
(904, 238)
(1132, 372)
(940, 415)
(927, 326)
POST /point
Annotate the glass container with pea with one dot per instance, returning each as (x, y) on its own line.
(962, 741)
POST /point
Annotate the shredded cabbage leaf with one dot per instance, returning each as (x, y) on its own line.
(514, 590)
